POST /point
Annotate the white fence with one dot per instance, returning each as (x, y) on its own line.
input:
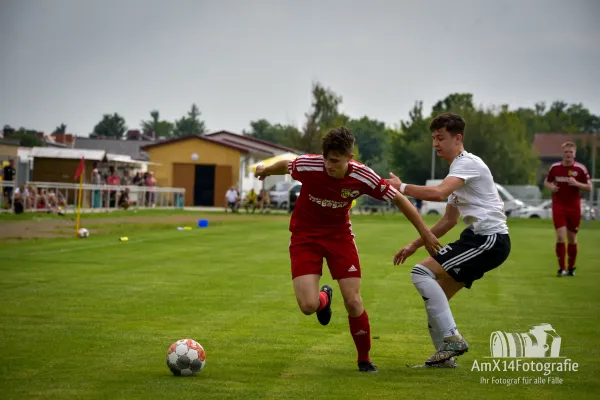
(62, 197)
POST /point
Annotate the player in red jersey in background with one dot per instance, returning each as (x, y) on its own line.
(566, 179)
(320, 227)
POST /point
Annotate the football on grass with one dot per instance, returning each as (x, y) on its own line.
(83, 233)
(186, 357)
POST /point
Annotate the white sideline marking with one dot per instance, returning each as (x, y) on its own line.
(96, 246)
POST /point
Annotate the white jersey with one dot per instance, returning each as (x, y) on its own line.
(478, 199)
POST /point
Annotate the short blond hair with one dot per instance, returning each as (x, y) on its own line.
(566, 145)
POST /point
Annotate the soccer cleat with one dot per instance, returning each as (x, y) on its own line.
(453, 346)
(561, 272)
(367, 366)
(324, 316)
(571, 272)
(449, 363)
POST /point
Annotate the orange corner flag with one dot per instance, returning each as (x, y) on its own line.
(80, 168)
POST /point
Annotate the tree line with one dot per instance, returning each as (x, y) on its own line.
(499, 135)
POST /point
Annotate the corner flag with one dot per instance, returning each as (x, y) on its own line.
(80, 168)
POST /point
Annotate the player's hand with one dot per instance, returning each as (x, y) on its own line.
(572, 182)
(261, 172)
(404, 253)
(394, 181)
(431, 243)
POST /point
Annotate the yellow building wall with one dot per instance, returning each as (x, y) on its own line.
(181, 152)
(8, 150)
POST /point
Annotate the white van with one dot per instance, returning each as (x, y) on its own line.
(439, 208)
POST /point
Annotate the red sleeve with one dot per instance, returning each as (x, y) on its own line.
(550, 177)
(584, 176)
(304, 166)
(374, 185)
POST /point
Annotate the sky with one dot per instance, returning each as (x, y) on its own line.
(71, 61)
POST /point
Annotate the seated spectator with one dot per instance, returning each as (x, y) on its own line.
(19, 197)
(124, 200)
(264, 201)
(232, 199)
(251, 201)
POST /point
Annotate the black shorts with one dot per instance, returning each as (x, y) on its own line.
(471, 256)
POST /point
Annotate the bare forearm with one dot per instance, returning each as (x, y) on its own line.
(429, 193)
(439, 229)
(279, 168)
(585, 186)
(549, 185)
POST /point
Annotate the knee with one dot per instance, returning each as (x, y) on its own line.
(308, 307)
(354, 305)
(420, 273)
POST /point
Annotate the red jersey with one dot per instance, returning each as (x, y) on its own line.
(323, 204)
(567, 195)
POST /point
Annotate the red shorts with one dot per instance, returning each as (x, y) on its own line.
(307, 256)
(566, 216)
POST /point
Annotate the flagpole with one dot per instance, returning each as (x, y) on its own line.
(79, 203)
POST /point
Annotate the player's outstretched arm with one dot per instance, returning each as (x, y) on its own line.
(279, 168)
(430, 193)
(444, 224)
(429, 240)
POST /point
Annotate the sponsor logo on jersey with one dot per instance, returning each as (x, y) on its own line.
(328, 203)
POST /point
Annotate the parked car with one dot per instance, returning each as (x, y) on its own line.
(544, 210)
(293, 195)
(280, 194)
(439, 207)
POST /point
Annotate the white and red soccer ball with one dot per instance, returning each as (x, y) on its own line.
(186, 357)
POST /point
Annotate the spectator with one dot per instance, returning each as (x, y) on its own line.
(124, 200)
(251, 200)
(8, 175)
(264, 201)
(138, 179)
(232, 198)
(113, 180)
(19, 199)
(126, 181)
(150, 183)
(96, 193)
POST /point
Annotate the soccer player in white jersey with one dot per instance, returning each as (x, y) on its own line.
(484, 245)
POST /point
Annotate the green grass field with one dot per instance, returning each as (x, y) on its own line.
(93, 319)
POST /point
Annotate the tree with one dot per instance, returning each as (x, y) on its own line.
(286, 135)
(372, 137)
(190, 124)
(111, 126)
(26, 137)
(160, 128)
(322, 117)
(410, 148)
(496, 135)
(62, 128)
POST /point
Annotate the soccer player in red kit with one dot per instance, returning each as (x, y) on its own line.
(320, 227)
(566, 179)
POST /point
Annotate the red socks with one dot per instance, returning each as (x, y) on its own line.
(360, 329)
(560, 253)
(323, 299)
(572, 253)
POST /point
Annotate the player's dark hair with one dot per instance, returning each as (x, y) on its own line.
(453, 123)
(339, 140)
